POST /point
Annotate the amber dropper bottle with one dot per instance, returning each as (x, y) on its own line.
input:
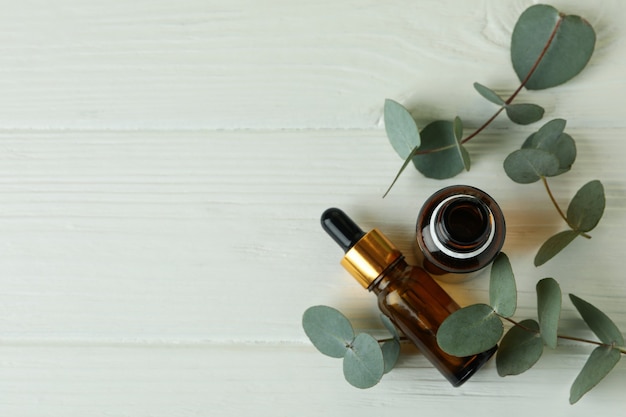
(414, 302)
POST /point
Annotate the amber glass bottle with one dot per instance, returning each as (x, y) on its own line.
(414, 302)
(460, 229)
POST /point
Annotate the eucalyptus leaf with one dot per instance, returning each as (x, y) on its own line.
(489, 94)
(502, 288)
(568, 42)
(402, 168)
(467, 163)
(519, 349)
(550, 137)
(549, 302)
(458, 128)
(601, 361)
(401, 128)
(439, 164)
(329, 330)
(586, 208)
(598, 322)
(565, 151)
(547, 134)
(524, 114)
(458, 134)
(389, 326)
(470, 330)
(391, 352)
(554, 245)
(363, 363)
(526, 166)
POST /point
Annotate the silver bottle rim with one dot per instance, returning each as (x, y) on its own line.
(446, 250)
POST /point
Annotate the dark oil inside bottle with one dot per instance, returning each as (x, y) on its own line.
(417, 305)
(460, 229)
(464, 222)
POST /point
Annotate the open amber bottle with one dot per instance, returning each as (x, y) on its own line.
(407, 294)
(460, 230)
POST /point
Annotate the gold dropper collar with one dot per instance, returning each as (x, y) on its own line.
(369, 257)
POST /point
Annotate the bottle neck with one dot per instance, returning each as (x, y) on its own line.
(391, 273)
(370, 257)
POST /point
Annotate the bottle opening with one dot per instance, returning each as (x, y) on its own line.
(465, 221)
(461, 226)
(460, 229)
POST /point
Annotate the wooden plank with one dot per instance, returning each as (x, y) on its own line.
(193, 64)
(269, 380)
(163, 166)
(172, 236)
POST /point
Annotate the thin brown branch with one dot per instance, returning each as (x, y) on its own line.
(492, 118)
(565, 337)
(556, 205)
(522, 85)
(536, 64)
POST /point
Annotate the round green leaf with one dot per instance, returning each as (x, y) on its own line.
(502, 288)
(391, 352)
(389, 326)
(457, 126)
(547, 134)
(439, 164)
(586, 208)
(598, 322)
(458, 134)
(565, 150)
(524, 114)
(329, 330)
(489, 94)
(401, 128)
(549, 302)
(363, 363)
(465, 157)
(554, 245)
(470, 330)
(550, 137)
(526, 166)
(601, 361)
(520, 349)
(568, 42)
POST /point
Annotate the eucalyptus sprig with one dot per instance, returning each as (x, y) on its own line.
(478, 327)
(548, 48)
(547, 153)
(475, 329)
(365, 359)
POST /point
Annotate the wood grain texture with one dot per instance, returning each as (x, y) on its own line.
(170, 236)
(75, 380)
(163, 167)
(193, 64)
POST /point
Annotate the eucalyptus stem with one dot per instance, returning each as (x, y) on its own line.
(622, 350)
(536, 64)
(417, 151)
(487, 123)
(558, 209)
(554, 202)
(519, 89)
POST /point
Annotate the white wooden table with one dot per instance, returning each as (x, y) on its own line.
(163, 167)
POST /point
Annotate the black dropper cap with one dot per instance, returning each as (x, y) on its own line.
(341, 228)
(368, 255)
